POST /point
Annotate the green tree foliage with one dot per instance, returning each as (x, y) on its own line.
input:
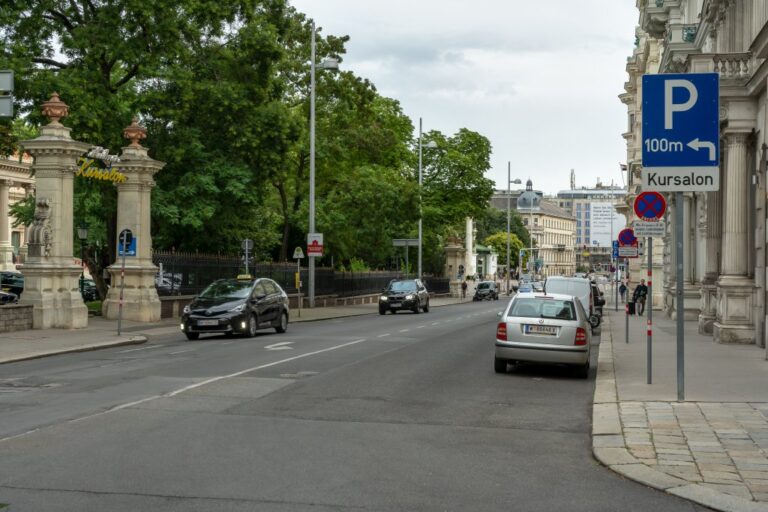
(494, 220)
(499, 243)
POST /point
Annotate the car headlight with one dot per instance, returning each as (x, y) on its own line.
(238, 309)
(383, 298)
(187, 310)
(410, 297)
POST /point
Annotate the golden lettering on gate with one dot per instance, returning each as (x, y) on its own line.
(88, 170)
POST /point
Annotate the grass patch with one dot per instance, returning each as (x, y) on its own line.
(94, 306)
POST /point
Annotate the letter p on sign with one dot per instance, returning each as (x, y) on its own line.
(670, 106)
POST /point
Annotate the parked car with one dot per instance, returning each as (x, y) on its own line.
(537, 286)
(410, 294)
(578, 287)
(8, 298)
(486, 290)
(524, 287)
(11, 281)
(543, 328)
(89, 291)
(597, 294)
(236, 306)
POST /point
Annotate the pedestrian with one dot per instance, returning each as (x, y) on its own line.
(623, 291)
(464, 289)
(641, 291)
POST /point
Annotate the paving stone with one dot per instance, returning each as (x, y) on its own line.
(720, 475)
(672, 462)
(668, 439)
(611, 456)
(608, 441)
(644, 474)
(717, 467)
(735, 490)
(762, 488)
(760, 496)
(673, 451)
(757, 475)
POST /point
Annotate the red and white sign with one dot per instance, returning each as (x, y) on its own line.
(314, 244)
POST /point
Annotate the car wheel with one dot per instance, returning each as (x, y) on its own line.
(583, 371)
(253, 326)
(417, 308)
(594, 321)
(382, 311)
(499, 365)
(191, 336)
(426, 307)
(283, 325)
(229, 334)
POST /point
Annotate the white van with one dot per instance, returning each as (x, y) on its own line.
(578, 287)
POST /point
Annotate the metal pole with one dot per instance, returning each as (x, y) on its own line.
(312, 166)
(407, 265)
(509, 193)
(420, 209)
(246, 256)
(626, 309)
(649, 307)
(679, 306)
(122, 285)
(298, 279)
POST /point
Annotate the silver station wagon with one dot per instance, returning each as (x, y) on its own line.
(543, 328)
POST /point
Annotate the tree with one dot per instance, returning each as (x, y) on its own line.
(499, 243)
(494, 220)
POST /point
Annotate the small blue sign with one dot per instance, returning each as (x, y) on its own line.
(131, 247)
(681, 132)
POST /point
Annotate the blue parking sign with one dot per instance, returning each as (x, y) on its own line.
(681, 132)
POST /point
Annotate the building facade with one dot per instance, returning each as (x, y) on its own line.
(725, 239)
(15, 184)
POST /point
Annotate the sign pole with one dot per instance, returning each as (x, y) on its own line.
(122, 285)
(679, 305)
(626, 308)
(298, 279)
(649, 307)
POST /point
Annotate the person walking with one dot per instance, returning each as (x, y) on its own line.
(623, 292)
(464, 289)
(641, 291)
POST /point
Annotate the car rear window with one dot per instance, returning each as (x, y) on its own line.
(544, 308)
(566, 287)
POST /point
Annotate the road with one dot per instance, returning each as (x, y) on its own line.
(382, 413)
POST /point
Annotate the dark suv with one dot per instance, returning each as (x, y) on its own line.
(236, 306)
(404, 294)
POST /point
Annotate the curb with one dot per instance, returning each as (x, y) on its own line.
(133, 340)
(609, 446)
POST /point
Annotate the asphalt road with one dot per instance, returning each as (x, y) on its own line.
(400, 413)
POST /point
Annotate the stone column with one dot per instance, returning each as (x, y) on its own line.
(734, 315)
(50, 275)
(691, 292)
(6, 248)
(140, 300)
(713, 242)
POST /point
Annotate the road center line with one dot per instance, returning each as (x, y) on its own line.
(421, 326)
(181, 351)
(383, 335)
(404, 330)
(435, 323)
(137, 349)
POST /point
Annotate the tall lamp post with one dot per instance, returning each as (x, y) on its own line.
(330, 64)
(509, 216)
(82, 234)
(431, 145)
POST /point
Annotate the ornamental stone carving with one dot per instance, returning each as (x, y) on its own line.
(135, 132)
(40, 234)
(55, 109)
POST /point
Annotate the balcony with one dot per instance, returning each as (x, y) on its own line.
(733, 68)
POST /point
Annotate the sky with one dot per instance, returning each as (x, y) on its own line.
(540, 79)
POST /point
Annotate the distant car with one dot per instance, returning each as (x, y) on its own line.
(89, 291)
(537, 286)
(409, 294)
(543, 328)
(8, 298)
(236, 306)
(597, 295)
(486, 290)
(524, 287)
(11, 281)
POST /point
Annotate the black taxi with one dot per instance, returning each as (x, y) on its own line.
(236, 306)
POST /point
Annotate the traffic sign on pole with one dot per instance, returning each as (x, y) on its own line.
(681, 132)
(650, 206)
(627, 237)
(314, 245)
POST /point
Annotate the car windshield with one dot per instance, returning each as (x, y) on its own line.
(403, 286)
(483, 286)
(544, 308)
(575, 288)
(227, 288)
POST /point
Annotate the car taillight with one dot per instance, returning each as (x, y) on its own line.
(501, 331)
(581, 336)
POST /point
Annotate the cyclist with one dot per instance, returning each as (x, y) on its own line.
(641, 291)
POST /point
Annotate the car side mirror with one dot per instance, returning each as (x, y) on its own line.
(259, 297)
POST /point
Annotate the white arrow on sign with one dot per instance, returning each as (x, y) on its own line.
(283, 345)
(697, 144)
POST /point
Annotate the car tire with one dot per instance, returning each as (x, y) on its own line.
(229, 334)
(583, 371)
(253, 326)
(192, 336)
(499, 365)
(382, 311)
(594, 321)
(426, 307)
(417, 309)
(282, 324)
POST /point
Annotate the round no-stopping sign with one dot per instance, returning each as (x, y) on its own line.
(650, 206)
(627, 237)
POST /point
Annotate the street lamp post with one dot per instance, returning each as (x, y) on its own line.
(431, 144)
(330, 64)
(509, 216)
(82, 234)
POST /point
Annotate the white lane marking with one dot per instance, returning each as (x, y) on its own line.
(435, 323)
(227, 342)
(137, 349)
(383, 335)
(181, 351)
(421, 326)
(404, 330)
(283, 345)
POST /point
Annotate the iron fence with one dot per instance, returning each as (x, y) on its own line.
(189, 273)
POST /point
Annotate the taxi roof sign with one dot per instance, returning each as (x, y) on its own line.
(244, 277)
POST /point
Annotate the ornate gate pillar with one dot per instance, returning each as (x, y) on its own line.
(140, 300)
(6, 249)
(50, 274)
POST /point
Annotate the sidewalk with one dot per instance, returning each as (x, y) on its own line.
(101, 333)
(712, 448)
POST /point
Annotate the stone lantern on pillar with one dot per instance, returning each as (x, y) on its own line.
(140, 300)
(50, 273)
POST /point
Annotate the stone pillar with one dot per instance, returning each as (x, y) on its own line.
(714, 207)
(140, 300)
(6, 249)
(470, 260)
(734, 315)
(50, 275)
(691, 292)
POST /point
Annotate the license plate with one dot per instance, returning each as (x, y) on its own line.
(541, 329)
(207, 322)
(394, 304)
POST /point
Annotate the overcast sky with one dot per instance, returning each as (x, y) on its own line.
(540, 79)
